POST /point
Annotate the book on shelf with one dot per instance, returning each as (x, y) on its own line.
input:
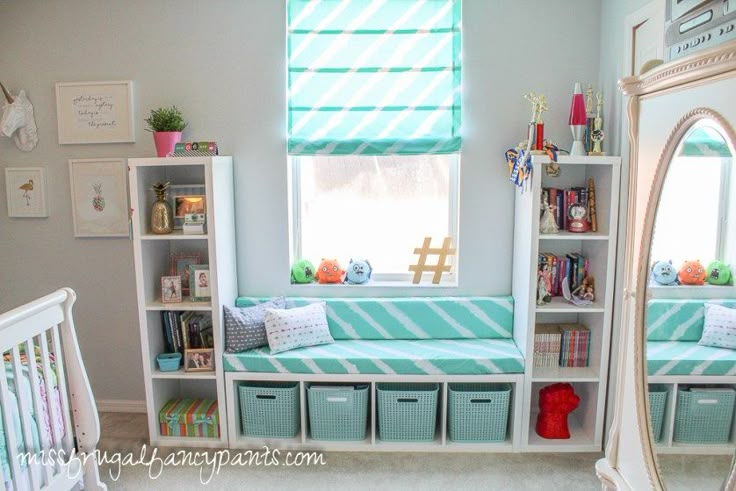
(574, 345)
(547, 345)
(572, 266)
(186, 330)
(562, 199)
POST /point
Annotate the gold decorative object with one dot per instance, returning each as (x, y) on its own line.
(162, 219)
(597, 135)
(440, 267)
(591, 205)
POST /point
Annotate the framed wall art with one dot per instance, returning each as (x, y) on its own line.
(99, 197)
(26, 191)
(95, 112)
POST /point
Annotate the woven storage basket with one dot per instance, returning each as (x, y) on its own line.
(657, 403)
(407, 412)
(478, 412)
(704, 417)
(269, 409)
(337, 414)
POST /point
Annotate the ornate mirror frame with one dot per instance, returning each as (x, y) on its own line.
(630, 462)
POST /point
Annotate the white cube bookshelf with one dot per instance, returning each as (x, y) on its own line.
(590, 383)
(152, 261)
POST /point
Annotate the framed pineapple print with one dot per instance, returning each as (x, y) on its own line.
(99, 197)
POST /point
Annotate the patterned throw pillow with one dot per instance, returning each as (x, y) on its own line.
(296, 328)
(719, 330)
(244, 327)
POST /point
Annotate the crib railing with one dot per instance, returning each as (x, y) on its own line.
(39, 344)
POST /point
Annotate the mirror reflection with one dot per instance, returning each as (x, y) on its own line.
(691, 311)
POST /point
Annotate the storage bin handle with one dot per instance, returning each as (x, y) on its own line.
(407, 399)
(265, 396)
(337, 399)
(707, 401)
(482, 401)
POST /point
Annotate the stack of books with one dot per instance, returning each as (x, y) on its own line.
(561, 199)
(547, 345)
(574, 345)
(572, 266)
(186, 330)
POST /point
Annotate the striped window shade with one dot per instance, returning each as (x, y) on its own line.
(374, 77)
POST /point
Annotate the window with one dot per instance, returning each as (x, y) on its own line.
(374, 128)
(692, 214)
(379, 208)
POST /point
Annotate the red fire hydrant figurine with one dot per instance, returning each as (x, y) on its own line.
(556, 401)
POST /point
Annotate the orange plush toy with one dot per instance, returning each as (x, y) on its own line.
(329, 271)
(692, 273)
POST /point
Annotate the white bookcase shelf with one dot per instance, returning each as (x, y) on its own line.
(590, 383)
(152, 260)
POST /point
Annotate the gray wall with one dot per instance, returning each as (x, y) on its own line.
(235, 95)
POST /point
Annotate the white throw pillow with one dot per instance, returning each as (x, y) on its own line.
(719, 330)
(296, 328)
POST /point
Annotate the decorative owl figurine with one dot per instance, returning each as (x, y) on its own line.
(718, 273)
(663, 273)
(329, 271)
(302, 271)
(692, 273)
(359, 271)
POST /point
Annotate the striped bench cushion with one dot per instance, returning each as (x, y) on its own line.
(688, 358)
(416, 357)
(678, 319)
(412, 318)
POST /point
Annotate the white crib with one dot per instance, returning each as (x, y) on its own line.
(39, 345)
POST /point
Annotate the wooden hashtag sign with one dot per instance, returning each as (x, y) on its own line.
(437, 269)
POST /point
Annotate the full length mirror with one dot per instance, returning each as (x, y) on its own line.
(690, 318)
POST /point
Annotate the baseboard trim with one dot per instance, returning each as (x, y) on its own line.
(120, 406)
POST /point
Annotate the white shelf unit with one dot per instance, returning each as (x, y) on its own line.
(372, 442)
(590, 383)
(152, 260)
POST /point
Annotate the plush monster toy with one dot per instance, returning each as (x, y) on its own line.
(302, 271)
(329, 271)
(719, 273)
(692, 273)
(664, 273)
(359, 271)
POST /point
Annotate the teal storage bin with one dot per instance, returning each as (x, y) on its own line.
(269, 409)
(337, 414)
(657, 403)
(704, 416)
(478, 412)
(407, 412)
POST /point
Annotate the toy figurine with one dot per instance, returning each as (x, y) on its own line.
(719, 273)
(663, 273)
(329, 271)
(302, 271)
(548, 223)
(691, 273)
(585, 291)
(544, 285)
(359, 271)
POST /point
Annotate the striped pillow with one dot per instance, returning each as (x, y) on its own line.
(297, 328)
(719, 330)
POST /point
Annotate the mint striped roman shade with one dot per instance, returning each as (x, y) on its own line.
(374, 77)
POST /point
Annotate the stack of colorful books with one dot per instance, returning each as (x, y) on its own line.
(547, 345)
(562, 199)
(574, 345)
(572, 266)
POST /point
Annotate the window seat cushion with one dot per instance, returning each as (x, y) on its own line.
(689, 358)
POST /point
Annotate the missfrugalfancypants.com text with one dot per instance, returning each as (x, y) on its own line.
(210, 462)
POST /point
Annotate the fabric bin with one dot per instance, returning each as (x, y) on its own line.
(478, 412)
(269, 409)
(337, 412)
(190, 418)
(657, 404)
(704, 415)
(407, 412)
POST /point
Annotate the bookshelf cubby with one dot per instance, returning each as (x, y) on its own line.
(152, 254)
(599, 248)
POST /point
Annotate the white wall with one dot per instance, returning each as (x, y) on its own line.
(223, 63)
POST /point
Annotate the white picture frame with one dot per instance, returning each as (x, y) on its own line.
(99, 197)
(95, 112)
(25, 188)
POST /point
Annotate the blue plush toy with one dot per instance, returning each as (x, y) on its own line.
(359, 271)
(664, 273)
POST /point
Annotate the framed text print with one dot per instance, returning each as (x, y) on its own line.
(26, 191)
(99, 197)
(95, 112)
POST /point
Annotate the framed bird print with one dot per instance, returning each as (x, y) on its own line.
(26, 191)
(99, 197)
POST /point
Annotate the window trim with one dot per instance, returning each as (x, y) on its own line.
(295, 229)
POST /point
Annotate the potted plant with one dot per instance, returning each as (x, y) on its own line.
(166, 123)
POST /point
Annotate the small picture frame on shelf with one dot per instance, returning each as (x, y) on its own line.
(199, 283)
(189, 204)
(171, 289)
(199, 360)
(185, 197)
(179, 266)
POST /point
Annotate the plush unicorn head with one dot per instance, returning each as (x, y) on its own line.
(18, 121)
